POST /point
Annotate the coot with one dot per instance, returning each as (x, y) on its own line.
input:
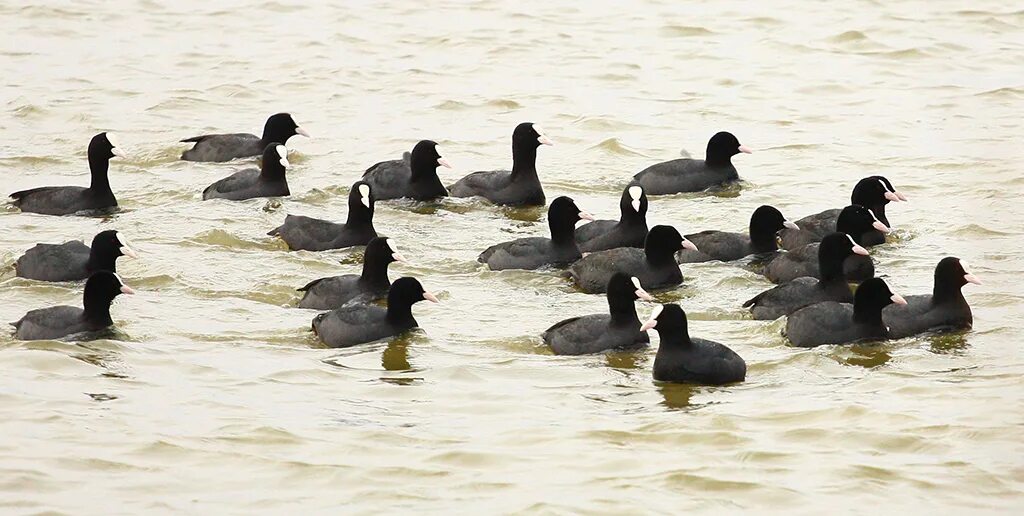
(518, 187)
(67, 200)
(536, 252)
(60, 321)
(655, 264)
(629, 231)
(225, 147)
(944, 310)
(310, 234)
(356, 324)
(618, 329)
(830, 322)
(694, 175)
(414, 176)
(800, 292)
(682, 359)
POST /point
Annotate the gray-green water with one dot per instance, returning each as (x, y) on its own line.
(218, 399)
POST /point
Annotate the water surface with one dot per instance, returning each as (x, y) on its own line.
(216, 397)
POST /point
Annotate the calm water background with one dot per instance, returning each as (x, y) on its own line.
(216, 397)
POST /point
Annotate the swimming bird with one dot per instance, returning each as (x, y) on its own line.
(68, 200)
(629, 231)
(371, 285)
(267, 181)
(73, 261)
(694, 175)
(226, 147)
(357, 324)
(830, 322)
(618, 329)
(536, 252)
(765, 223)
(856, 221)
(655, 264)
(872, 192)
(60, 321)
(793, 295)
(518, 187)
(310, 234)
(944, 310)
(414, 176)
(682, 359)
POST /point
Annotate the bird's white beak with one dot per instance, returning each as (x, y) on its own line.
(790, 224)
(125, 289)
(125, 248)
(970, 278)
(444, 163)
(642, 294)
(892, 197)
(900, 195)
(116, 151)
(544, 140)
(648, 325)
(860, 250)
(689, 245)
(430, 297)
(586, 216)
(398, 258)
(880, 226)
(898, 299)
(744, 149)
(302, 131)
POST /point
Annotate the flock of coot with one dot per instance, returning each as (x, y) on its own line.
(813, 260)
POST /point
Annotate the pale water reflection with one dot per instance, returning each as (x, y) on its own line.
(214, 396)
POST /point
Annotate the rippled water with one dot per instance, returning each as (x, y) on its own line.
(216, 397)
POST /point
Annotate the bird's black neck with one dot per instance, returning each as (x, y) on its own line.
(274, 135)
(563, 232)
(423, 169)
(99, 167)
(631, 218)
(622, 310)
(359, 216)
(832, 269)
(947, 293)
(101, 260)
(671, 341)
(761, 240)
(98, 310)
(400, 313)
(660, 257)
(714, 161)
(524, 162)
(272, 171)
(869, 317)
(375, 274)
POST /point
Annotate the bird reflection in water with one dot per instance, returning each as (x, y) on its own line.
(948, 343)
(677, 395)
(396, 356)
(867, 356)
(525, 213)
(435, 207)
(395, 359)
(626, 361)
